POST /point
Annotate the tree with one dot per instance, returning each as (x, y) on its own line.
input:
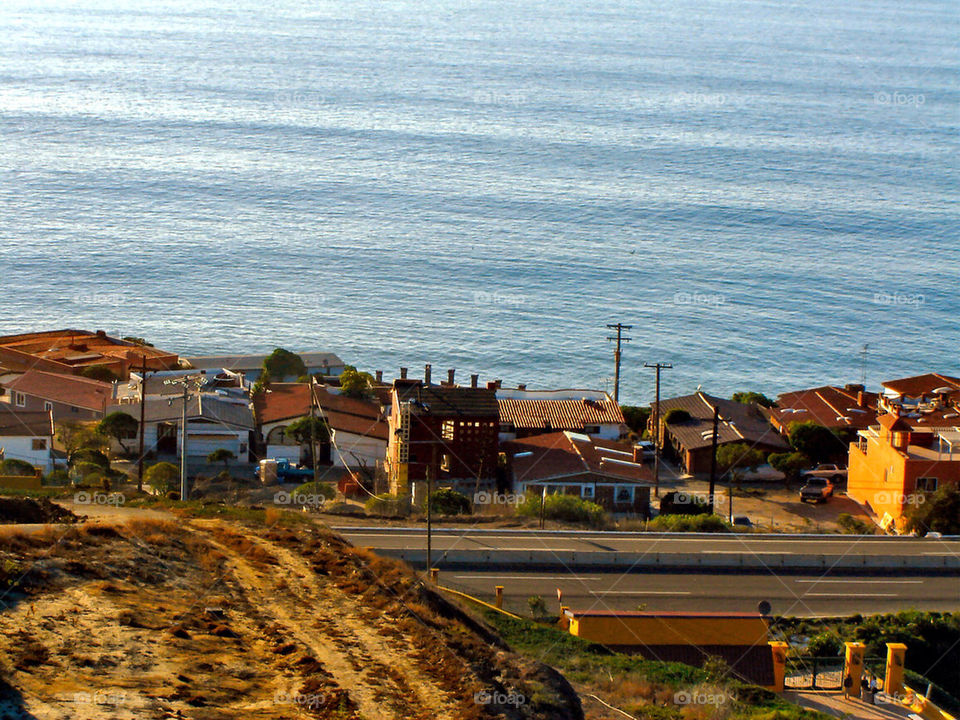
(162, 476)
(446, 501)
(939, 513)
(815, 441)
(282, 364)
(354, 383)
(78, 436)
(119, 426)
(735, 456)
(636, 417)
(300, 430)
(222, 455)
(753, 397)
(790, 464)
(99, 372)
(676, 416)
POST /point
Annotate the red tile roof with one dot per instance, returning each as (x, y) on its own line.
(920, 385)
(573, 413)
(830, 406)
(69, 351)
(566, 454)
(14, 423)
(288, 401)
(67, 389)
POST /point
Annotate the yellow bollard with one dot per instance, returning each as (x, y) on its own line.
(563, 622)
(499, 590)
(779, 651)
(853, 667)
(435, 576)
(893, 678)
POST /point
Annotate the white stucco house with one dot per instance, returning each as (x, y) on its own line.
(27, 436)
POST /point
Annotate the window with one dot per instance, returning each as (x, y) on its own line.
(74, 409)
(38, 444)
(447, 429)
(506, 427)
(591, 429)
(47, 405)
(20, 399)
(586, 491)
(927, 484)
(624, 495)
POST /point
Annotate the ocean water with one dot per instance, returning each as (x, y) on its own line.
(759, 188)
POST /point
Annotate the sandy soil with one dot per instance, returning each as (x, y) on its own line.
(214, 619)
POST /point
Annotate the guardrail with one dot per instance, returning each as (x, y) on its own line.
(601, 560)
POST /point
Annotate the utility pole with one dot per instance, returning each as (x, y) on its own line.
(656, 425)
(143, 417)
(619, 327)
(713, 457)
(313, 438)
(183, 443)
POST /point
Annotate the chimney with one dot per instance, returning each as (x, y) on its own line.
(497, 383)
(491, 384)
(522, 386)
(426, 374)
(637, 454)
(474, 379)
(450, 374)
(379, 376)
(861, 399)
(403, 373)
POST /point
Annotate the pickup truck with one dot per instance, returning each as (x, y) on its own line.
(817, 490)
(286, 472)
(825, 470)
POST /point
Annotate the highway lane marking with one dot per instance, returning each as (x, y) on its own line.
(640, 592)
(880, 581)
(568, 578)
(746, 551)
(847, 595)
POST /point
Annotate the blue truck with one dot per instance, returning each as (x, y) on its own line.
(285, 472)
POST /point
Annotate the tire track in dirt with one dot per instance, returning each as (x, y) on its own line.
(380, 679)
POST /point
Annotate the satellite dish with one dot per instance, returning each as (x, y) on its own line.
(763, 607)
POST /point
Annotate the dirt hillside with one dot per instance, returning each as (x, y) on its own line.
(211, 618)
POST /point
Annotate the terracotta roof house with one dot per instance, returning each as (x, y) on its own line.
(448, 430)
(923, 401)
(601, 471)
(69, 352)
(690, 441)
(358, 430)
(533, 412)
(850, 407)
(69, 397)
(27, 436)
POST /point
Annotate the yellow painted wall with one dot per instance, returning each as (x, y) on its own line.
(668, 630)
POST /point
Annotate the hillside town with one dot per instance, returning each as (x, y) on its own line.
(290, 418)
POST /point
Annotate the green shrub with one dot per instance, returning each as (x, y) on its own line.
(825, 644)
(163, 477)
(388, 505)
(564, 508)
(89, 455)
(446, 501)
(537, 605)
(315, 488)
(855, 526)
(57, 477)
(690, 523)
(13, 466)
(681, 503)
(86, 470)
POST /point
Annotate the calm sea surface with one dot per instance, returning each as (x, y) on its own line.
(759, 188)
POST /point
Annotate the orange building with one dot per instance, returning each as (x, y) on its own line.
(894, 466)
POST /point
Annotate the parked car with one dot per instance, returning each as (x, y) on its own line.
(826, 470)
(817, 490)
(742, 521)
